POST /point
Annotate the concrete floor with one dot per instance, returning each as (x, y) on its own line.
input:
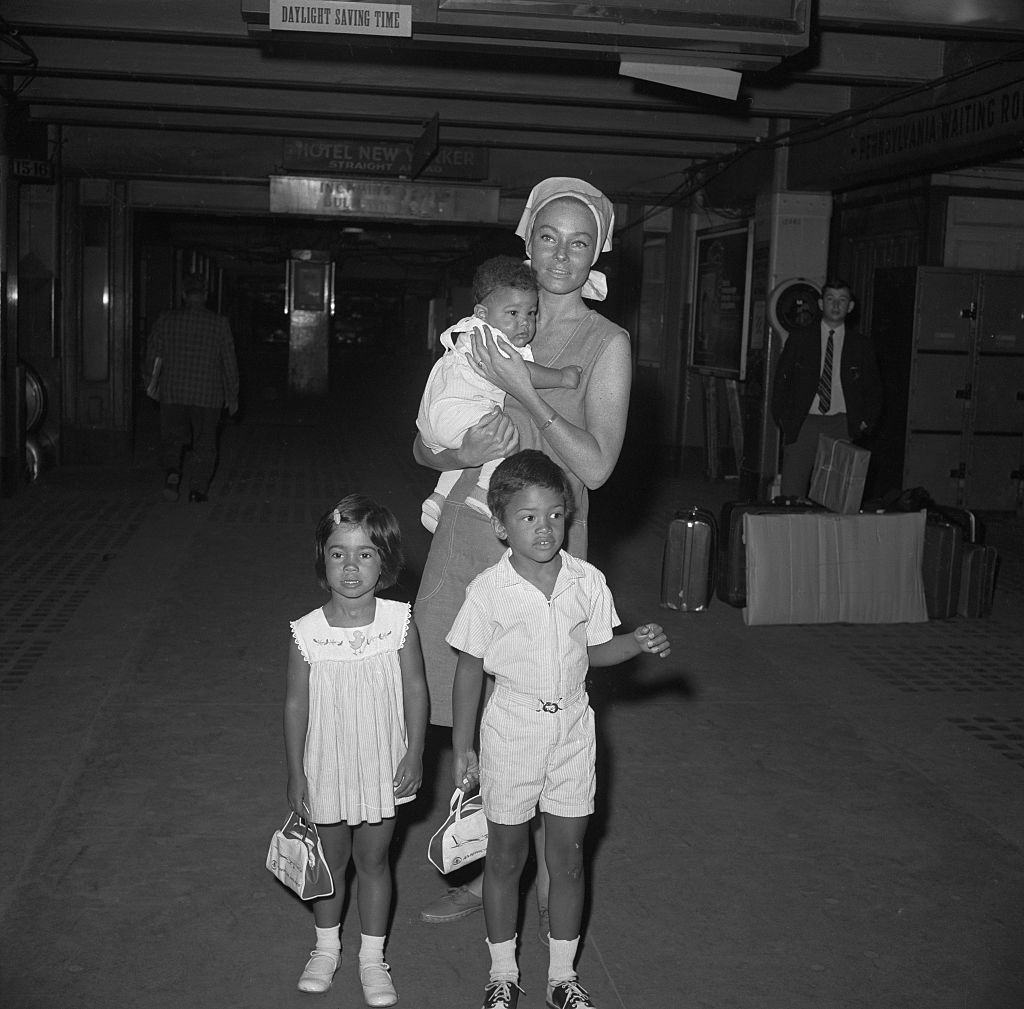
(790, 817)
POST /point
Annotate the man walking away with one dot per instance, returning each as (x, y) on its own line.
(194, 375)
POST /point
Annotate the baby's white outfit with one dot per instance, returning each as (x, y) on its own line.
(454, 399)
(356, 734)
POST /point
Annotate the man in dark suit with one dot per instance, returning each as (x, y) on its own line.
(827, 382)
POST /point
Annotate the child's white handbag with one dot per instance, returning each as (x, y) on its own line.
(462, 838)
(296, 858)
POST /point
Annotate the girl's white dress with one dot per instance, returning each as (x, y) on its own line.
(356, 734)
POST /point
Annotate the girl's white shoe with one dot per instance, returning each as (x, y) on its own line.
(377, 987)
(319, 973)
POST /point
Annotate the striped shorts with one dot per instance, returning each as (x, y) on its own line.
(535, 755)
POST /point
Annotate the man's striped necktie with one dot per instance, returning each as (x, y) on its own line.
(825, 382)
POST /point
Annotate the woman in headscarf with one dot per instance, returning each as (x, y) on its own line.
(566, 225)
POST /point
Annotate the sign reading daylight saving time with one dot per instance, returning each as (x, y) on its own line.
(335, 17)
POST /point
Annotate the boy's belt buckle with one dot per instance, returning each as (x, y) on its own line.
(551, 707)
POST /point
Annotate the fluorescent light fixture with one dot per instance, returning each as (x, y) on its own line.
(706, 80)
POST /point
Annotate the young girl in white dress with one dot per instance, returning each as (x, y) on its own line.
(355, 715)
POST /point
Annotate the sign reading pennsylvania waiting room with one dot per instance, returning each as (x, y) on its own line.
(415, 201)
(335, 17)
(380, 157)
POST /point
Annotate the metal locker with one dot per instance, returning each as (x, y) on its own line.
(953, 368)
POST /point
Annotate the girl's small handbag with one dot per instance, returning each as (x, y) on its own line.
(297, 860)
(462, 838)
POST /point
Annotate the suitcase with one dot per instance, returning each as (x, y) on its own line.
(941, 567)
(732, 569)
(977, 580)
(688, 567)
(972, 529)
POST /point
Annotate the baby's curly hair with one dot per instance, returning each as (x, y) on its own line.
(528, 468)
(502, 271)
(379, 523)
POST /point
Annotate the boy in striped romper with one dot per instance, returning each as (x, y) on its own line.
(536, 621)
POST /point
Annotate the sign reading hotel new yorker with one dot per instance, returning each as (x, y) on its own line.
(379, 157)
(415, 201)
(335, 17)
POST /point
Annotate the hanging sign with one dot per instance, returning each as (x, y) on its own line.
(30, 170)
(415, 201)
(381, 157)
(973, 119)
(336, 18)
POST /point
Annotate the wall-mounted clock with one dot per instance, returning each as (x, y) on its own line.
(793, 303)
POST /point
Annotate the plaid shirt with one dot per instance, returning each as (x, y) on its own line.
(198, 358)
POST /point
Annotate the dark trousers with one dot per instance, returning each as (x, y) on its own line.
(798, 458)
(181, 424)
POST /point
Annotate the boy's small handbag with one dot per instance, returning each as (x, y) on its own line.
(297, 860)
(462, 838)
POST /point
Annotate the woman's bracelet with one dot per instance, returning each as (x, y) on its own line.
(549, 422)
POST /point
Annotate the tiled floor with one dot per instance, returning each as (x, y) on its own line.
(821, 816)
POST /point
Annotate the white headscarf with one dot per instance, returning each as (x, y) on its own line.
(596, 286)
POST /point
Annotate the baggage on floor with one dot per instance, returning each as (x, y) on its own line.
(972, 530)
(732, 565)
(828, 568)
(941, 567)
(977, 580)
(837, 479)
(689, 563)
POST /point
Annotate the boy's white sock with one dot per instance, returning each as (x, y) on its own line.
(503, 960)
(561, 954)
(371, 949)
(329, 939)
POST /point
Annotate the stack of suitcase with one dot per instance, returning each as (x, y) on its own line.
(958, 571)
(732, 577)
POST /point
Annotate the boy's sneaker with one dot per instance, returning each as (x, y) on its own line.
(319, 973)
(569, 995)
(456, 903)
(501, 995)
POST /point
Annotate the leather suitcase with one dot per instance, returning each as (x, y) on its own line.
(941, 567)
(977, 580)
(732, 567)
(972, 529)
(688, 568)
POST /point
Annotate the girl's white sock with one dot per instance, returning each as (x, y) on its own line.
(329, 939)
(371, 949)
(503, 960)
(561, 954)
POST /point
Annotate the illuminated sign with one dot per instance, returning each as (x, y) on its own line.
(335, 18)
(411, 201)
(381, 157)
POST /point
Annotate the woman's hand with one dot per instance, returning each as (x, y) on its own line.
(504, 368)
(492, 437)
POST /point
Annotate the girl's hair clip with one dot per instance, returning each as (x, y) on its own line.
(336, 515)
